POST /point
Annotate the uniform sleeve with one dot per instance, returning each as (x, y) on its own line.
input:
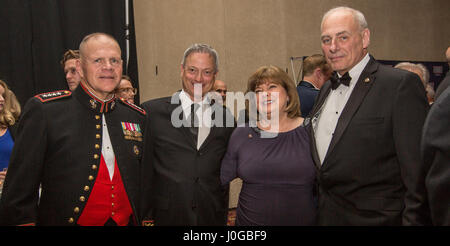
(146, 197)
(435, 148)
(410, 110)
(19, 204)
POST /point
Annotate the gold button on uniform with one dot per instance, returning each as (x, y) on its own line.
(97, 136)
(86, 188)
(82, 199)
(98, 126)
(76, 210)
(94, 167)
(97, 146)
(91, 178)
(97, 117)
(95, 156)
(71, 220)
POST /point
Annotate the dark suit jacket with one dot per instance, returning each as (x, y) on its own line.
(186, 180)
(307, 94)
(372, 173)
(59, 135)
(435, 149)
(443, 85)
(13, 130)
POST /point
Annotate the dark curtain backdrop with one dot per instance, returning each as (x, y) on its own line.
(34, 34)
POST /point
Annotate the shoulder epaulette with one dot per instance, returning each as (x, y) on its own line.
(137, 108)
(50, 96)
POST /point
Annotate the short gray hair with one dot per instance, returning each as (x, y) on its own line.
(357, 15)
(419, 66)
(202, 48)
(426, 74)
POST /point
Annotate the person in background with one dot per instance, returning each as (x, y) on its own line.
(446, 81)
(315, 72)
(221, 88)
(421, 71)
(188, 138)
(125, 89)
(274, 158)
(68, 63)
(430, 93)
(9, 116)
(365, 127)
(418, 69)
(435, 152)
(84, 149)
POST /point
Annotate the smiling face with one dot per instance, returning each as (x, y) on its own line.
(198, 71)
(344, 44)
(100, 66)
(271, 98)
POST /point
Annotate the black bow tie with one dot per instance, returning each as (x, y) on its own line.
(336, 81)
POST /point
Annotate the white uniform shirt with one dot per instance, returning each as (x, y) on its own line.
(332, 108)
(107, 149)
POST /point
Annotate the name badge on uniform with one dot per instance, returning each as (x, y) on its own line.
(132, 131)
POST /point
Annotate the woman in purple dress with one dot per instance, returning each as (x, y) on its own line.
(272, 156)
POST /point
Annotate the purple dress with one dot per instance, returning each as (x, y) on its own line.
(278, 177)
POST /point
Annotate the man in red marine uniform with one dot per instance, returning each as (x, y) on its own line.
(83, 148)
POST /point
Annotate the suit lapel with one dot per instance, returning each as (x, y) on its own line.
(213, 131)
(172, 105)
(363, 85)
(315, 112)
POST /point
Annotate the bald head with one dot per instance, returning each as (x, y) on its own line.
(221, 88)
(98, 36)
(100, 64)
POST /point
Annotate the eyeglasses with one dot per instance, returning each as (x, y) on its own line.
(128, 90)
(100, 62)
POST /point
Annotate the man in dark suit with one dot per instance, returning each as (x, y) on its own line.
(366, 127)
(83, 148)
(435, 149)
(187, 155)
(315, 72)
(446, 81)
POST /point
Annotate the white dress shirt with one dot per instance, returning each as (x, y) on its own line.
(332, 108)
(107, 149)
(203, 115)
